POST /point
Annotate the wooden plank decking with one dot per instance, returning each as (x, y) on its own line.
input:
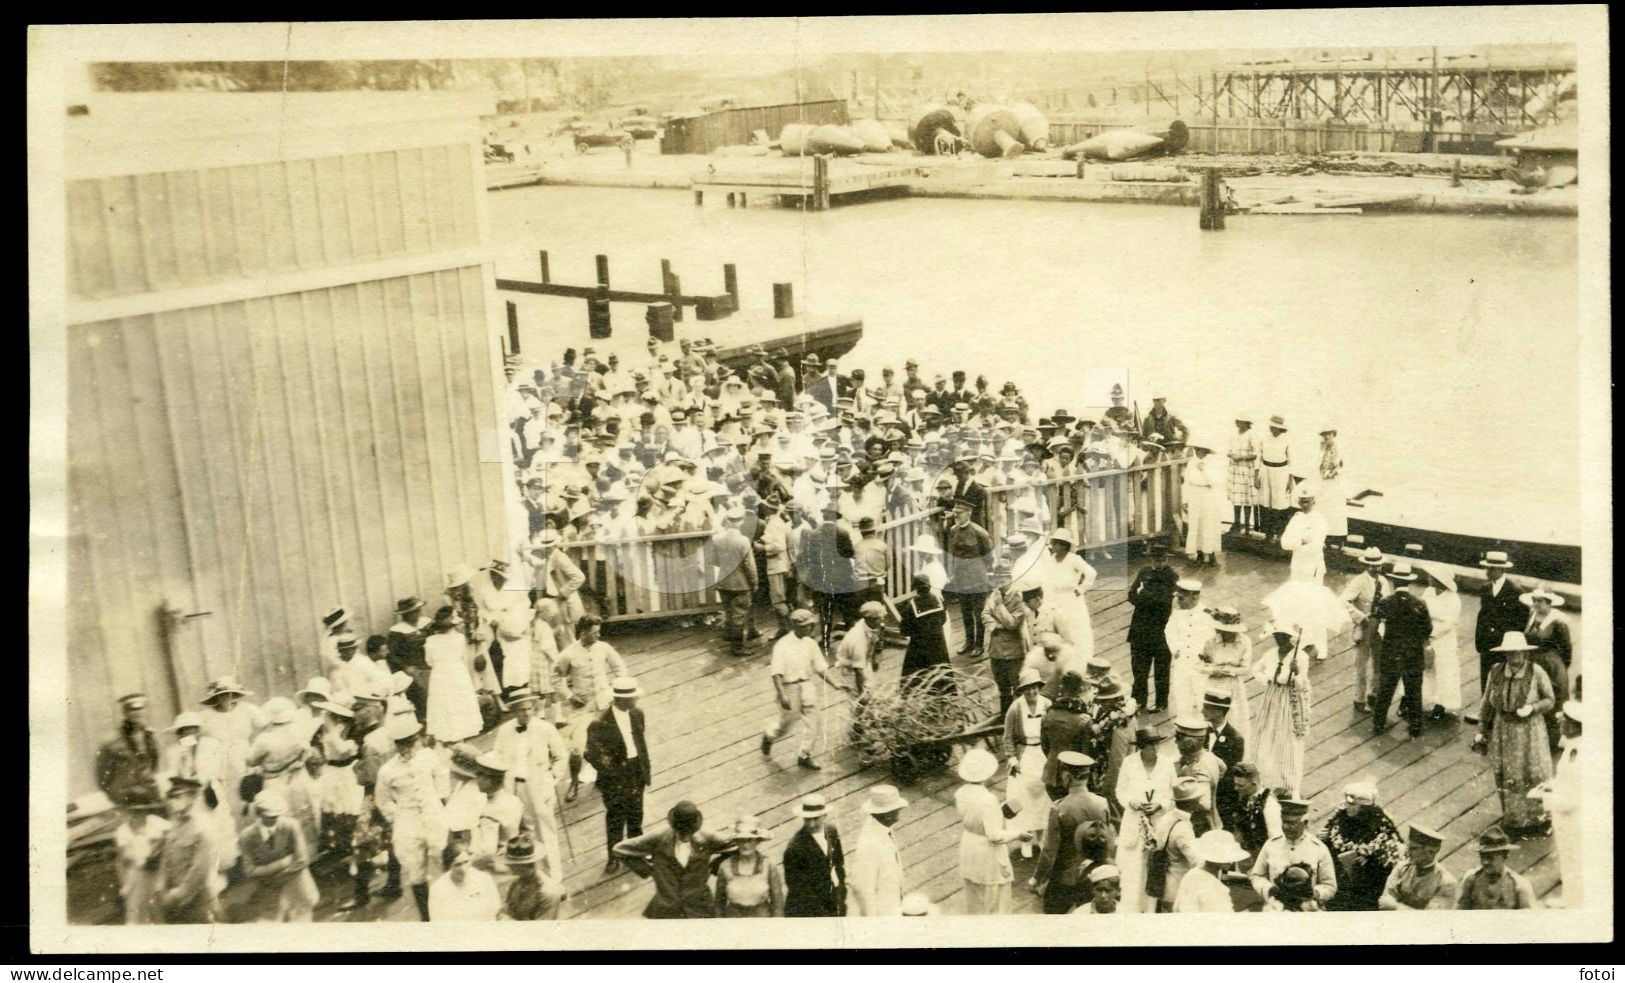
(706, 710)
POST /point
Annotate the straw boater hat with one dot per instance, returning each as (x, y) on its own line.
(1192, 726)
(1216, 699)
(1372, 557)
(978, 765)
(520, 851)
(812, 805)
(334, 616)
(625, 686)
(1219, 847)
(1402, 572)
(1496, 558)
(407, 605)
(1188, 585)
(1514, 641)
(1542, 593)
(883, 799)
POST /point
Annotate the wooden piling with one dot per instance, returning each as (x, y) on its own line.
(547, 276)
(1212, 200)
(598, 312)
(730, 283)
(660, 317)
(676, 294)
(784, 303)
(603, 270)
(699, 197)
(513, 327)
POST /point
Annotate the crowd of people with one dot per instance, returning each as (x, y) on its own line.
(772, 484)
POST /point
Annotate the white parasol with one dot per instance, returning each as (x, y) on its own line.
(1308, 606)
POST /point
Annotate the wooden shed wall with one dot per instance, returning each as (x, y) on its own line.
(255, 460)
(730, 127)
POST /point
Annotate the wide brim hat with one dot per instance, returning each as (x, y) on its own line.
(812, 805)
(978, 765)
(271, 803)
(1278, 422)
(1402, 572)
(335, 708)
(1514, 641)
(625, 686)
(1541, 593)
(1372, 557)
(318, 686)
(749, 828)
(1496, 558)
(279, 710)
(402, 726)
(1111, 689)
(459, 575)
(222, 687)
(1573, 710)
(1064, 536)
(1217, 846)
(883, 799)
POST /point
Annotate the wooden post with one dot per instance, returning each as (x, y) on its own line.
(546, 273)
(1080, 167)
(676, 294)
(1455, 173)
(1212, 200)
(598, 313)
(513, 328)
(603, 270)
(730, 283)
(730, 199)
(784, 303)
(660, 317)
(699, 197)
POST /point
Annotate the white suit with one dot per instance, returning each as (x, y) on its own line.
(874, 872)
(537, 755)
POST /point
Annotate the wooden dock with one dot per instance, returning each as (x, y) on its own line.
(814, 182)
(706, 710)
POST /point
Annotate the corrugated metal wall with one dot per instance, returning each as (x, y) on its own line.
(731, 127)
(264, 458)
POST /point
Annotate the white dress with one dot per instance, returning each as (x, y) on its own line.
(453, 712)
(1188, 634)
(1305, 538)
(1441, 682)
(1066, 584)
(1205, 503)
(1026, 789)
(1136, 785)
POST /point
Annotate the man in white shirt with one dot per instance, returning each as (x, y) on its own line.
(483, 813)
(1203, 890)
(586, 669)
(410, 794)
(1295, 845)
(798, 663)
(875, 869)
(537, 759)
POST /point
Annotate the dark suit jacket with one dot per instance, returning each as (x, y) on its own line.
(607, 753)
(1062, 730)
(1498, 615)
(680, 891)
(1059, 861)
(1229, 747)
(125, 764)
(809, 892)
(1406, 626)
(973, 492)
(1152, 595)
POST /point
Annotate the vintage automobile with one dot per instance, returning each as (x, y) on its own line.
(641, 127)
(587, 137)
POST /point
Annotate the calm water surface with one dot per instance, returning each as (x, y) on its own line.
(1444, 347)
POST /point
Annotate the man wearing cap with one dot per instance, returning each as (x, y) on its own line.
(187, 882)
(797, 665)
(201, 758)
(858, 652)
(276, 863)
(1295, 845)
(1491, 885)
(1405, 625)
(1361, 595)
(126, 763)
(1305, 538)
(618, 752)
(1152, 595)
(1106, 892)
(483, 813)
(1418, 882)
(969, 551)
(875, 869)
(1191, 735)
(410, 793)
(814, 865)
(735, 565)
(1173, 847)
(1061, 876)
(1188, 632)
(678, 859)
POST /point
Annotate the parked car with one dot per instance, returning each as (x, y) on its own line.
(587, 138)
(641, 127)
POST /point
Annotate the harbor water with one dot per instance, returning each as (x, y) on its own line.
(1444, 348)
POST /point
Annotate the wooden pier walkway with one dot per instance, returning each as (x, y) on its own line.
(706, 710)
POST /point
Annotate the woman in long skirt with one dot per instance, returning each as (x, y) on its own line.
(1203, 490)
(1512, 733)
(1145, 790)
(1283, 717)
(1025, 753)
(1066, 580)
(984, 852)
(1242, 481)
(1333, 496)
(1227, 665)
(453, 712)
(924, 619)
(1441, 679)
(1554, 649)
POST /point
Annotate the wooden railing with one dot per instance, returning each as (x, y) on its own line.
(671, 575)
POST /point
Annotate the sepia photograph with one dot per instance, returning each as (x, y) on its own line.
(845, 469)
